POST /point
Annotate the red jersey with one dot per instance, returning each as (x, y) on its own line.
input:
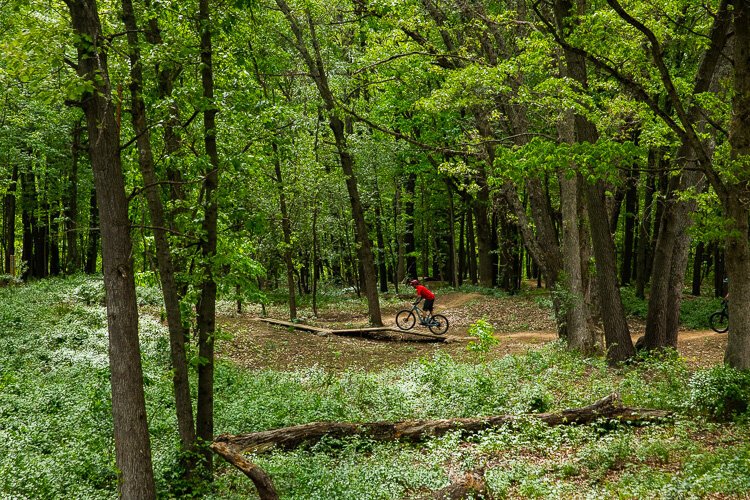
(423, 292)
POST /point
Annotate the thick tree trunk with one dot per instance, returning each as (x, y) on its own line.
(580, 337)
(180, 380)
(206, 313)
(132, 446)
(670, 260)
(735, 200)
(287, 438)
(616, 332)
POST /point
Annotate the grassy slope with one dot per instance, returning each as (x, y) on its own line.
(55, 424)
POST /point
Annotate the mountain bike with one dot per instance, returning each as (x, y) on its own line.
(407, 318)
(719, 321)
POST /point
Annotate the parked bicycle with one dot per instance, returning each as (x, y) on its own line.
(719, 321)
(407, 318)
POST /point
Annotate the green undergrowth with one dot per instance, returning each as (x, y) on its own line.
(55, 417)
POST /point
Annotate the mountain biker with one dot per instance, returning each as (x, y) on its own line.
(424, 293)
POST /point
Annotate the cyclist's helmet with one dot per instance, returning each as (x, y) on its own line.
(414, 283)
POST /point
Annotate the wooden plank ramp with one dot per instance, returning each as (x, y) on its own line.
(359, 330)
(298, 326)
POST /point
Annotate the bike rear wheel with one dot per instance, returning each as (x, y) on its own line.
(438, 324)
(719, 322)
(405, 319)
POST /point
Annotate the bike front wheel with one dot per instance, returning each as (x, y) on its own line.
(719, 322)
(438, 324)
(405, 319)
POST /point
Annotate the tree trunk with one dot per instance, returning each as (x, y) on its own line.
(178, 357)
(206, 313)
(471, 248)
(28, 209)
(286, 228)
(483, 230)
(410, 247)
(735, 201)
(631, 209)
(645, 255)
(452, 239)
(698, 268)
(92, 248)
(9, 222)
(382, 270)
(315, 258)
(317, 70)
(616, 332)
(132, 446)
(73, 259)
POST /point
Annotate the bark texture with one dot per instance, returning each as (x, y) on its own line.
(132, 446)
(180, 381)
(289, 438)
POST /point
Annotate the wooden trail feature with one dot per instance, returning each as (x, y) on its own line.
(360, 331)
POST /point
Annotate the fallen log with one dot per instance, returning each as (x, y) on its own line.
(259, 477)
(609, 408)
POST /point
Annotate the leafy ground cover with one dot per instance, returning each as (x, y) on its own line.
(55, 423)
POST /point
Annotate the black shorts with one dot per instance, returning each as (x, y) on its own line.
(428, 304)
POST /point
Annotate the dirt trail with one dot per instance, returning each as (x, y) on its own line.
(456, 299)
(520, 323)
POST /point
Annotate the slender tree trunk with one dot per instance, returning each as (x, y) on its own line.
(631, 208)
(92, 248)
(399, 237)
(132, 445)
(286, 228)
(410, 247)
(462, 250)
(28, 208)
(697, 268)
(471, 248)
(315, 258)
(180, 381)
(9, 225)
(645, 255)
(452, 235)
(314, 62)
(73, 259)
(206, 314)
(382, 271)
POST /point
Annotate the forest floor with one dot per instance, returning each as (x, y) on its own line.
(521, 322)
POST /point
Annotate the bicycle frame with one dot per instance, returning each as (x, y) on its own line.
(419, 312)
